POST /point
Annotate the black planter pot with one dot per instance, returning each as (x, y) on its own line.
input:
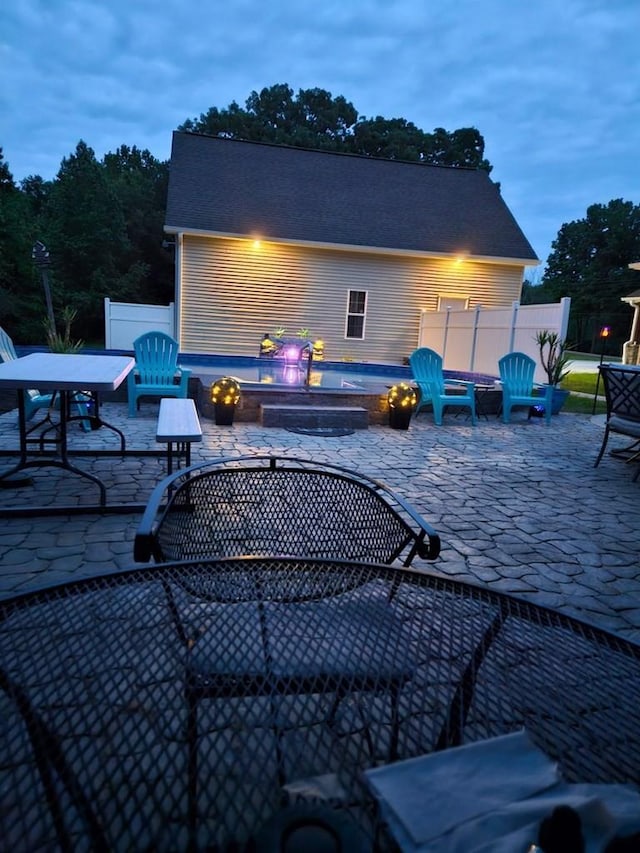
(399, 418)
(224, 413)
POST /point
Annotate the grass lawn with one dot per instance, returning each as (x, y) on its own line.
(583, 383)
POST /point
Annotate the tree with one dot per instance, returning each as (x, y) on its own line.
(589, 262)
(140, 183)
(20, 301)
(315, 119)
(85, 230)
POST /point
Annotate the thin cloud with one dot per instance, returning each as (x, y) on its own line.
(552, 87)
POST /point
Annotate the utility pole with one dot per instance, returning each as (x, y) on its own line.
(40, 256)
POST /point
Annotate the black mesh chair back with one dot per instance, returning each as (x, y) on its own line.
(269, 506)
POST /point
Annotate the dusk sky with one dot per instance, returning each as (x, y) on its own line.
(552, 85)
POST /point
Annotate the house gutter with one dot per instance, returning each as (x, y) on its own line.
(345, 247)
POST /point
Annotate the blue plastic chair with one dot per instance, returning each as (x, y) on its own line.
(426, 367)
(33, 400)
(518, 387)
(156, 372)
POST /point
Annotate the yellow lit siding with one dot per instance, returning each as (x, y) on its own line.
(232, 292)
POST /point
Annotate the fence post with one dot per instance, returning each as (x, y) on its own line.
(565, 306)
(514, 322)
(107, 323)
(446, 333)
(474, 337)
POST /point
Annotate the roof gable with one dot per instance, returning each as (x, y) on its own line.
(276, 192)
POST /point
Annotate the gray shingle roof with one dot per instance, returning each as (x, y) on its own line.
(277, 192)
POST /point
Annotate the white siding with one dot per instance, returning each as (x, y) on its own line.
(232, 292)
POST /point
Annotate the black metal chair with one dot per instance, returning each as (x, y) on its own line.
(622, 393)
(280, 506)
(271, 637)
(346, 641)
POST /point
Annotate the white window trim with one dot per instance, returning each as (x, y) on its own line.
(452, 300)
(352, 314)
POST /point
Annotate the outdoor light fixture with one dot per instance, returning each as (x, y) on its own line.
(225, 391)
(291, 354)
(402, 399)
(605, 331)
(318, 349)
(225, 395)
(402, 396)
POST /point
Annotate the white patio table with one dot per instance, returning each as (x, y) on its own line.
(63, 374)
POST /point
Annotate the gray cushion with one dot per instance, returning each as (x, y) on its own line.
(627, 426)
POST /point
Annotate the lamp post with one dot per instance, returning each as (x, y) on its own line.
(40, 256)
(604, 334)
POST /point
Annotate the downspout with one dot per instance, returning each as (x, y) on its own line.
(177, 319)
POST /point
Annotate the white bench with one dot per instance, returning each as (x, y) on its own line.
(178, 425)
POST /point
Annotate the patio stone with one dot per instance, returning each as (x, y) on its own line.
(519, 506)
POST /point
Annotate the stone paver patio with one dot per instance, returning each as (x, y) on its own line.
(519, 507)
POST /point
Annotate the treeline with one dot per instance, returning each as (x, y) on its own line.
(102, 221)
(589, 262)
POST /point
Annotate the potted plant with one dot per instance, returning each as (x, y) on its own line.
(402, 399)
(554, 357)
(225, 395)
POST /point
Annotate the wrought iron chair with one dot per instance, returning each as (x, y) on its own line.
(518, 387)
(426, 366)
(156, 372)
(345, 641)
(269, 636)
(622, 394)
(269, 505)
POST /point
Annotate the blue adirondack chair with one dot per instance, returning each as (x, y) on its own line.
(518, 387)
(426, 367)
(156, 373)
(33, 400)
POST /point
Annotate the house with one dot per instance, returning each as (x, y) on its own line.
(631, 349)
(351, 248)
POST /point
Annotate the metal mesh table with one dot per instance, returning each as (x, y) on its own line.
(200, 705)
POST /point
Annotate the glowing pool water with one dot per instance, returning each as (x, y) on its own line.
(334, 376)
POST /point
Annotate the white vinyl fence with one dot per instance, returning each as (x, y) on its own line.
(125, 321)
(474, 339)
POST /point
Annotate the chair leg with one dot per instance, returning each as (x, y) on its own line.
(604, 444)
(192, 767)
(395, 722)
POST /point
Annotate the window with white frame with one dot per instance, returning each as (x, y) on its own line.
(455, 303)
(356, 313)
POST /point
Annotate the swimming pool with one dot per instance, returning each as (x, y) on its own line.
(326, 375)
